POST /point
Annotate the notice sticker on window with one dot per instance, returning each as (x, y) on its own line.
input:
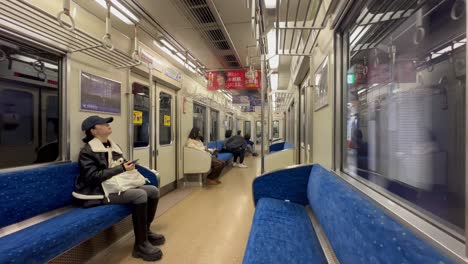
(137, 117)
(167, 120)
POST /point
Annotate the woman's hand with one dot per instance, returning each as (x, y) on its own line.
(129, 166)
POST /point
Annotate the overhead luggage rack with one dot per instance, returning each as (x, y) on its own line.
(21, 17)
(281, 100)
(297, 27)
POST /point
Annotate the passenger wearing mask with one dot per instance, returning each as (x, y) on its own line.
(101, 159)
(236, 145)
(194, 141)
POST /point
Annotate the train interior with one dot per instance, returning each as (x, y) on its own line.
(352, 116)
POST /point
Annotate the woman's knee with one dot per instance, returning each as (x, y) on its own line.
(137, 196)
(151, 191)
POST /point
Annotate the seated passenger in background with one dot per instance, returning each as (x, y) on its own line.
(250, 145)
(101, 159)
(216, 165)
(236, 145)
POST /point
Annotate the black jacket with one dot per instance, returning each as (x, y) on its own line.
(94, 168)
(235, 143)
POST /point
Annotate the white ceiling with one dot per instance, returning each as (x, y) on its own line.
(234, 15)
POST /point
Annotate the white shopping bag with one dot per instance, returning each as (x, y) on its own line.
(122, 182)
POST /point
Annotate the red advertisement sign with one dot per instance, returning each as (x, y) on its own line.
(233, 80)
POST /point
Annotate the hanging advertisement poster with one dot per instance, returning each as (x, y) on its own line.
(99, 94)
(233, 80)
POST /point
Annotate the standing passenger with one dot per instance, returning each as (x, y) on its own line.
(216, 165)
(96, 167)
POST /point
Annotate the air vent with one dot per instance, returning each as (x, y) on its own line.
(216, 34)
(230, 58)
(195, 2)
(208, 24)
(222, 45)
(204, 15)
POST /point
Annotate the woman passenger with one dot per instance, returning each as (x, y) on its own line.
(96, 166)
(216, 165)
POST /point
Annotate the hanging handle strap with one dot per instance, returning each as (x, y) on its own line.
(420, 33)
(136, 53)
(66, 12)
(107, 39)
(3, 55)
(458, 10)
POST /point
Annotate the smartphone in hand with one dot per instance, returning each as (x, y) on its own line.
(134, 161)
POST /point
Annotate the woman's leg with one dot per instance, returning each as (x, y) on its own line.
(139, 198)
(153, 198)
(216, 169)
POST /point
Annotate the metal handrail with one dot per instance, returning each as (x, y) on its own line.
(54, 31)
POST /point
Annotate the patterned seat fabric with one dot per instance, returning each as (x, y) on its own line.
(31, 192)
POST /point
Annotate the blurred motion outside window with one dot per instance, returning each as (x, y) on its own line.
(404, 107)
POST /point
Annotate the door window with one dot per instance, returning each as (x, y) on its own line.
(165, 119)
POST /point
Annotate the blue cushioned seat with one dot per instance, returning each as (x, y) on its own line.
(212, 145)
(358, 230)
(363, 232)
(42, 242)
(27, 193)
(282, 233)
(280, 146)
(225, 156)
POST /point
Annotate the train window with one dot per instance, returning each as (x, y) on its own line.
(141, 118)
(165, 119)
(230, 123)
(404, 122)
(29, 105)
(214, 125)
(276, 129)
(247, 128)
(258, 131)
(238, 125)
(199, 118)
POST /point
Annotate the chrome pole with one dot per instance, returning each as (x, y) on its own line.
(262, 116)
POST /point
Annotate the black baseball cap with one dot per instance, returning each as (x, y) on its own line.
(95, 120)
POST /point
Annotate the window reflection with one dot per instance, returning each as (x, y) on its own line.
(199, 117)
(29, 105)
(405, 106)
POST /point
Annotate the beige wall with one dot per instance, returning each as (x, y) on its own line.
(322, 125)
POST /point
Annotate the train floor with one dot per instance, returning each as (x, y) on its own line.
(202, 225)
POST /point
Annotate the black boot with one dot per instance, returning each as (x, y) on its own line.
(143, 248)
(153, 238)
